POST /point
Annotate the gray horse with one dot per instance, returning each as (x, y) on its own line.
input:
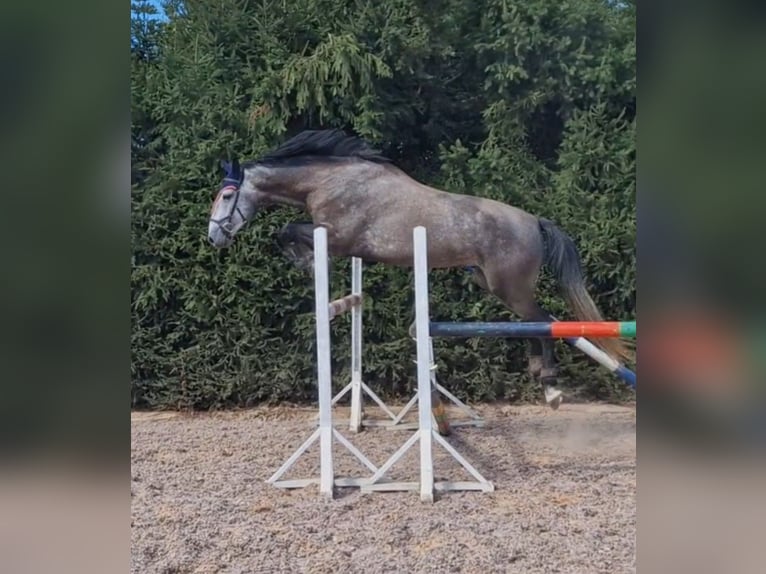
(370, 207)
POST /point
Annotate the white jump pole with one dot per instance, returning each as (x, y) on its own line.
(324, 368)
(355, 419)
(422, 321)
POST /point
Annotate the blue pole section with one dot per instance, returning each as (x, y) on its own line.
(499, 329)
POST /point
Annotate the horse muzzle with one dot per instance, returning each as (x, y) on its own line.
(219, 236)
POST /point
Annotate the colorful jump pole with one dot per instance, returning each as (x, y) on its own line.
(570, 331)
(556, 329)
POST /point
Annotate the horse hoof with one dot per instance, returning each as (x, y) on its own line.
(553, 397)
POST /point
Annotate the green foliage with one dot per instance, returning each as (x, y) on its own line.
(530, 102)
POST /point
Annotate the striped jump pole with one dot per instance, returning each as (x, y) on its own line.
(573, 332)
(555, 329)
(344, 304)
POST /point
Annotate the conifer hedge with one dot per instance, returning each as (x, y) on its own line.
(531, 102)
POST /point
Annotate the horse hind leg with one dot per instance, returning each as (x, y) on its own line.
(521, 300)
(535, 350)
(542, 358)
(535, 354)
(549, 371)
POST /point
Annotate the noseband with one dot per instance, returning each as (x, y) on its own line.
(225, 223)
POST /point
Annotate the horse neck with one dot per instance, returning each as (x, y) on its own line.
(293, 185)
(287, 185)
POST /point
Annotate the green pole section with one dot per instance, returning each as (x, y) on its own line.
(628, 329)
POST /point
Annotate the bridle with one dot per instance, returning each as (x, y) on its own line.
(225, 223)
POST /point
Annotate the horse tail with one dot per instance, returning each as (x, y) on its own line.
(563, 259)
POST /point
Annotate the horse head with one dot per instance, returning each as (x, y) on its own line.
(232, 207)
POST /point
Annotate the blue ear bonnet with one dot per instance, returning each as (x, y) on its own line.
(234, 174)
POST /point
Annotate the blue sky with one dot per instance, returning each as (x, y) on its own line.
(158, 4)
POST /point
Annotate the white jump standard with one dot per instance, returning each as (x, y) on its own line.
(357, 386)
(326, 431)
(426, 433)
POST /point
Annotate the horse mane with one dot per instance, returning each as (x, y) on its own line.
(313, 146)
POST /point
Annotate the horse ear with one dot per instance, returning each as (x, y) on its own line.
(235, 166)
(226, 166)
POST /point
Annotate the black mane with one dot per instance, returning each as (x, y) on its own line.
(311, 146)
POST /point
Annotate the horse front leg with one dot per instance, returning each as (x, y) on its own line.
(297, 243)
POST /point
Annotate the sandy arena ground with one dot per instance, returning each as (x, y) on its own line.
(565, 498)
